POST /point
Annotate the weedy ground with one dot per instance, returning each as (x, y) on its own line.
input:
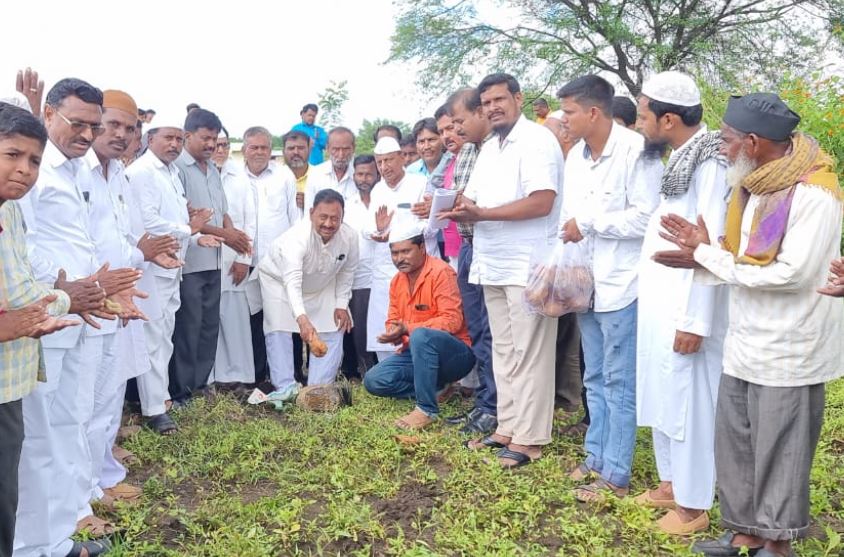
(246, 481)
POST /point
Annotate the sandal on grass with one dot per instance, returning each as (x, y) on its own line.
(598, 490)
(162, 424)
(581, 473)
(94, 548)
(126, 457)
(95, 526)
(577, 430)
(519, 459)
(485, 443)
(416, 419)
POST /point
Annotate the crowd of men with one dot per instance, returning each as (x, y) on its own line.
(139, 250)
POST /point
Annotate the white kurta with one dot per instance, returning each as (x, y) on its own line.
(410, 189)
(670, 300)
(234, 363)
(676, 394)
(302, 275)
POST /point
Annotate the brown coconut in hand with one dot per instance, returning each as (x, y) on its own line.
(317, 346)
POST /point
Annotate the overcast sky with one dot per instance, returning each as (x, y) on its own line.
(253, 62)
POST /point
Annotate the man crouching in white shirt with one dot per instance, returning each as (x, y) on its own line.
(306, 284)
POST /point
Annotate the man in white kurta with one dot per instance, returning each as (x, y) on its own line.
(274, 192)
(682, 323)
(104, 183)
(234, 363)
(392, 196)
(337, 172)
(154, 179)
(306, 284)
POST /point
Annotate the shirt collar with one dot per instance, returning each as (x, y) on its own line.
(186, 157)
(609, 148)
(55, 158)
(689, 141)
(515, 131)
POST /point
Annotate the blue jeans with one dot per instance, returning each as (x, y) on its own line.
(433, 359)
(609, 350)
(474, 312)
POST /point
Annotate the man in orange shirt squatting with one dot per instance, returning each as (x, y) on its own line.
(425, 321)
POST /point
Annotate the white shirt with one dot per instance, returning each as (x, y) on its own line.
(57, 234)
(274, 191)
(164, 206)
(529, 159)
(357, 216)
(322, 177)
(409, 190)
(782, 333)
(241, 210)
(301, 275)
(612, 199)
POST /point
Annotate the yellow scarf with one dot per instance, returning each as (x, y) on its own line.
(775, 183)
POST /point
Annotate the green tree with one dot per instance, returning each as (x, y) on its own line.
(545, 42)
(331, 103)
(365, 142)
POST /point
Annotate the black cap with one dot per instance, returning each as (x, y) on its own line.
(763, 114)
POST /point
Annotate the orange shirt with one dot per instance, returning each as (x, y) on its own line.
(435, 302)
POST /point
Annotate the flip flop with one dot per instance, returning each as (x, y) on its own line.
(125, 456)
(582, 472)
(597, 491)
(93, 547)
(521, 459)
(414, 421)
(486, 442)
(162, 424)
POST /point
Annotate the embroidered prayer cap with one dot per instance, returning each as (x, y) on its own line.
(386, 145)
(113, 98)
(763, 114)
(672, 87)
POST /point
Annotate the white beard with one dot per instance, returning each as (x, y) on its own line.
(739, 170)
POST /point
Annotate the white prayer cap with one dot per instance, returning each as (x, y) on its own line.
(166, 120)
(672, 87)
(18, 100)
(405, 229)
(386, 145)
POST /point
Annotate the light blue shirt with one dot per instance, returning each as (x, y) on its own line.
(319, 140)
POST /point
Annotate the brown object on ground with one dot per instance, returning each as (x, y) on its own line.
(127, 431)
(448, 392)
(581, 473)
(648, 501)
(318, 347)
(578, 430)
(598, 491)
(407, 439)
(414, 420)
(97, 527)
(125, 493)
(325, 398)
(673, 524)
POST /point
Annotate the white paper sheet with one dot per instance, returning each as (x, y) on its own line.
(443, 200)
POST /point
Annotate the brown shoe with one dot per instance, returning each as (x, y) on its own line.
(648, 501)
(672, 524)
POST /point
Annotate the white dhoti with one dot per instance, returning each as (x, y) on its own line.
(376, 314)
(54, 450)
(320, 370)
(234, 362)
(153, 385)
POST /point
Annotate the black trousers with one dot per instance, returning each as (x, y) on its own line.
(11, 440)
(358, 307)
(259, 348)
(195, 334)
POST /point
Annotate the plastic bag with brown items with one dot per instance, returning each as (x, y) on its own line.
(561, 280)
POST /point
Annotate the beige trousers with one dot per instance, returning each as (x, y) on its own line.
(523, 362)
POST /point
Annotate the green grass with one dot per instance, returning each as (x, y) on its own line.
(245, 481)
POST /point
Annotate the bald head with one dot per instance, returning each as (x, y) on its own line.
(563, 137)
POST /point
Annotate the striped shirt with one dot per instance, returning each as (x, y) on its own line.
(463, 166)
(21, 364)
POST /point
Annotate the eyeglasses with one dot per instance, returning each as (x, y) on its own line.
(222, 145)
(79, 127)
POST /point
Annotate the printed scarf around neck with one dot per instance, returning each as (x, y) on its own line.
(681, 166)
(775, 183)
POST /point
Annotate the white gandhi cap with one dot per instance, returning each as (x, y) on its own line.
(672, 87)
